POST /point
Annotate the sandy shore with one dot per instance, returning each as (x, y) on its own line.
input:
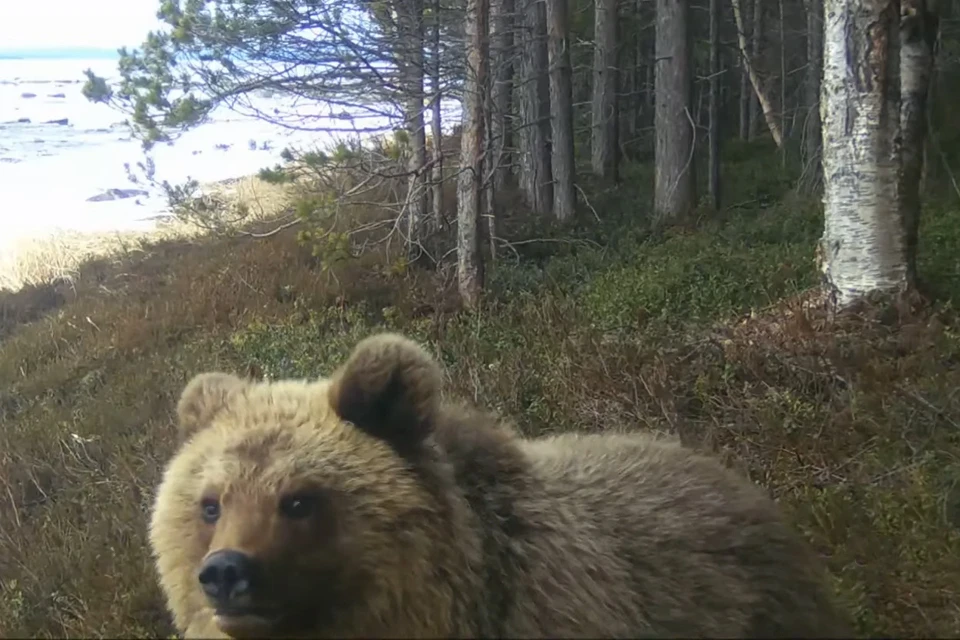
(57, 255)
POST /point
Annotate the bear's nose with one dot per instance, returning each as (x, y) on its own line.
(228, 577)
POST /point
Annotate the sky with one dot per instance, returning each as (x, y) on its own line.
(46, 24)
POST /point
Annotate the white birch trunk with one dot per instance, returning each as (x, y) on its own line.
(863, 248)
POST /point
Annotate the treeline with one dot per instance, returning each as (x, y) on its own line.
(549, 89)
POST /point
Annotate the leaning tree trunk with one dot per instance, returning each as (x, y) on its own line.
(470, 181)
(864, 246)
(714, 118)
(536, 178)
(561, 106)
(604, 138)
(674, 178)
(749, 62)
(918, 32)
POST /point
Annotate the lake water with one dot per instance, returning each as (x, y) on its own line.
(57, 150)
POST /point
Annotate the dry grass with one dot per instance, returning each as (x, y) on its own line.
(852, 424)
(57, 256)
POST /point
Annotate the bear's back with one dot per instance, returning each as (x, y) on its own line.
(624, 535)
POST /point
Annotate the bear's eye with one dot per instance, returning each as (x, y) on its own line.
(297, 506)
(210, 510)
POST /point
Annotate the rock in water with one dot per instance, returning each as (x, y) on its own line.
(116, 194)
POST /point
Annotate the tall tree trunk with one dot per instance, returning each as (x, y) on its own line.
(746, 89)
(561, 102)
(604, 158)
(918, 32)
(650, 100)
(756, 47)
(784, 126)
(714, 119)
(498, 103)
(932, 169)
(470, 181)
(864, 245)
(535, 173)
(501, 86)
(813, 136)
(749, 63)
(674, 180)
(636, 79)
(436, 122)
(410, 18)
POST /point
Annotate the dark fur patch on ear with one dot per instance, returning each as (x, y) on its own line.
(203, 398)
(390, 388)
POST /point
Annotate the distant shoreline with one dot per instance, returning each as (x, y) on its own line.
(55, 253)
(68, 53)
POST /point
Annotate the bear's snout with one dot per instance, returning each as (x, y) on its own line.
(229, 579)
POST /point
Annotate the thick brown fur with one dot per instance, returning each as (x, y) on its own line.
(435, 520)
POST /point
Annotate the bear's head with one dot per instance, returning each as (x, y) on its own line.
(290, 502)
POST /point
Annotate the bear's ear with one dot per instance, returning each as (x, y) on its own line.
(390, 388)
(203, 398)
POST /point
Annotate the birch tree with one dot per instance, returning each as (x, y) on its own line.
(864, 245)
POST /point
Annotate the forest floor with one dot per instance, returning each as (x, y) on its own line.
(707, 331)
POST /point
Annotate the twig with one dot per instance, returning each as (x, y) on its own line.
(929, 405)
(587, 201)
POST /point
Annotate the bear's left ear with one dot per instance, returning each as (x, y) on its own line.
(203, 398)
(390, 388)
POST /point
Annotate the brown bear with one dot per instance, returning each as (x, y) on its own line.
(364, 506)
